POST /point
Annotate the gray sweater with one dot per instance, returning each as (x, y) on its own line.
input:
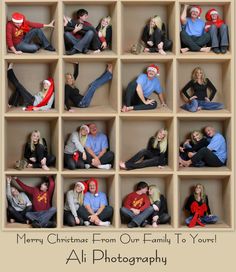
(72, 203)
(73, 144)
(18, 203)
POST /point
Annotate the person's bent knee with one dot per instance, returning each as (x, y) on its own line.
(90, 33)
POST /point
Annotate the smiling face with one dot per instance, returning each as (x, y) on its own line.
(35, 137)
(194, 14)
(93, 129)
(78, 188)
(151, 74)
(210, 131)
(214, 16)
(199, 74)
(198, 189)
(150, 191)
(18, 25)
(83, 18)
(70, 80)
(196, 136)
(161, 134)
(83, 131)
(46, 85)
(14, 192)
(105, 22)
(44, 187)
(92, 187)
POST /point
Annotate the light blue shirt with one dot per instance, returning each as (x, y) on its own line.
(218, 146)
(149, 85)
(195, 28)
(95, 202)
(97, 143)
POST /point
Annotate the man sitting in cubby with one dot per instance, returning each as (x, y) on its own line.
(20, 34)
(193, 35)
(96, 147)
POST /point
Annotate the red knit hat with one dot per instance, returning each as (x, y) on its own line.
(96, 184)
(196, 8)
(153, 68)
(17, 18)
(209, 13)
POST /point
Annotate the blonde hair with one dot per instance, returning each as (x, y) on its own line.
(69, 74)
(163, 142)
(200, 135)
(79, 196)
(158, 23)
(202, 195)
(32, 147)
(103, 29)
(156, 194)
(82, 138)
(194, 74)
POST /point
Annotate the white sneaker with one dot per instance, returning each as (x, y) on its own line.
(86, 223)
(87, 166)
(105, 223)
(105, 166)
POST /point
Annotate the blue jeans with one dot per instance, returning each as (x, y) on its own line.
(42, 217)
(205, 105)
(26, 46)
(206, 219)
(137, 219)
(82, 44)
(219, 36)
(104, 78)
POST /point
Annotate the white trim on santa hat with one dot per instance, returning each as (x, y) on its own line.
(195, 9)
(150, 68)
(81, 184)
(47, 81)
(17, 21)
(214, 12)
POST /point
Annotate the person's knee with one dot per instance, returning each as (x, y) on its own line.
(71, 165)
(109, 210)
(183, 33)
(154, 105)
(80, 165)
(223, 27)
(213, 28)
(71, 223)
(90, 33)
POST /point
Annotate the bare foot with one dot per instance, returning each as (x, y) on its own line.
(43, 161)
(9, 106)
(27, 222)
(44, 167)
(199, 108)
(154, 224)
(29, 165)
(184, 50)
(162, 52)
(96, 51)
(109, 67)
(71, 110)
(205, 49)
(12, 220)
(124, 109)
(10, 66)
(122, 165)
(146, 49)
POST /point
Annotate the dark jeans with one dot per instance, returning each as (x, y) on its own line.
(156, 38)
(129, 216)
(105, 215)
(208, 157)
(206, 219)
(26, 46)
(71, 164)
(194, 43)
(132, 98)
(164, 218)
(70, 220)
(20, 91)
(42, 217)
(149, 160)
(219, 36)
(205, 105)
(17, 215)
(81, 44)
(108, 157)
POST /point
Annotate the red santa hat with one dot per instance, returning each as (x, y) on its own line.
(47, 81)
(17, 18)
(153, 68)
(83, 185)
(96, 184)
(209, 13)
(196, 9)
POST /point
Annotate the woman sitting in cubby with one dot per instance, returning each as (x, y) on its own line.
(138, 91)
(74, 152)
(73, 94)
(104, 30)
(198, 207)
(95, 210)
(199, 99)
(74, 200)
(154, 155)
(218, 31)
(192, 146)
(155, 37)
(193, 35)
(18, 204)
(159, 203)
(213, 155)
(20, 34)
(42, 101)
(36, 152)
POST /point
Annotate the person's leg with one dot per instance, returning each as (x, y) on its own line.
(89, 158)
(69, 219)
(203, 40)
(188, 220)
(107, 158)
(130, 92)
(127, 214)
(145, 163)
(206, 155)
(83, 44)
(16, 215)
(46, 216)
(140, 218)
(157, 37)
(37, 32)
(80, 164)
(69, 162)
(27, 47)
(214, 37)
(206, 105)
(83, 213)
(163, 218)
(69, 38)
(224, 37)
(143, 106)
(14, 99)
(167, 45)
(138, 156)
(104, 78)
(50, 160)
(192, 106)
(39, 150)
(189, 42)
(209, 219)
(106, 214)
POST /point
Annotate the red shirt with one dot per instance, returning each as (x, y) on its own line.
(136, 201)
(15, 35)
(41, 200)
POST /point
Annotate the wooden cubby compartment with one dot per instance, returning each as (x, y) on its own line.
(136, 14)
(106, 125)
(41, 12)
(135, 134)
(31, 74)
(131, 69)
(33, 181)
(105, 98)
(96, 11)
(222, 125)
(106, 184)
(219, 191)
(127, 185)
(218, 72)
(17, 132)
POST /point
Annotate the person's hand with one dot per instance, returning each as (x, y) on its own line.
(77, 221)
(93, 218)
(187, 141)
(96, 162)
(150, 43)
(207, 99)
(9, 180)
(164, 105)
(84, 156)
(65, 21)
(155, 207)
(33, 159)
(77, 28)
(135, 211)
(190, 154)
(149, 102)
(18, 52)
(51, 24)
(104, 45)
(181, 149)
(193, 97)
(71, 110)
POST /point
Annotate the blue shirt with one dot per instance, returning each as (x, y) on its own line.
(97, 143)
(195, 28)
(218, 146)
(149, 85)
(95, 202)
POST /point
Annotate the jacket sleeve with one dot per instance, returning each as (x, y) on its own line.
(9, 34)
(109, 36)
(27, 152)
(76, 142)
(51, 187)
(145, 35)
(70, 26)
(188, 203)
(9, 195)
(49, 104)
(150, 143)
(199, 145)
(76, 70)
(34, 25)
(26, 188)
(212, 88)
(186, 87)
(127, 202)
(208, 207)
(70, 201)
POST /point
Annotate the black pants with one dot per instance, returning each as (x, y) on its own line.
(194, 43)
(208, 157)
(164, 218)
(132, 98)
(20, 92)
(105, 215)
(148, 160)
(108, 157)
(70, 220)
(156, 38)
(71, 164)
(16, 215)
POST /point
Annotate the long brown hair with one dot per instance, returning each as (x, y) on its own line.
(194, 74)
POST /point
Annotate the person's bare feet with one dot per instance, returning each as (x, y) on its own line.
(29, 165)
(109, 68)
(12, 220)
(97, 51)
(162, 52)
(146, 49)
(44, 167)
(9, 106)
(124, 109)
(199, 108)
(122, 165)
(184, 50)
(10, 66)
(205, 49)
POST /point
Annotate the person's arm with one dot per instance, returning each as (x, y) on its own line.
(146, 203)
(128, 201)
(50, 25)
(161, 97)
(76, 70)
(67, 97)
(212, 88)
(208, 207)
(49, 104)
(202, 143)
(51, 186)
(34, 24)
(163, 158)
(90, 151)
(27, 201)
(185, 88)
(216, 142)
(27, 152)
(183, 17)
(70, 201)
(150, 143)
(139, 91)
(145, 35)
(103, 203)
(8, 192)
(9, 38)
(104, 150)
(26, 188)
(189, 201)
(76, 142)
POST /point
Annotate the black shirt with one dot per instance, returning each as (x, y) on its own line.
(156, 152)
(191, 199)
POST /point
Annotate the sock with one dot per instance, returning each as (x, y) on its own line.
(105, 166)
